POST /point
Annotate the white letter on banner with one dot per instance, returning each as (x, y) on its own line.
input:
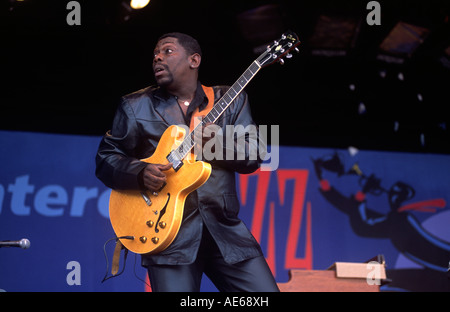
(74, 16)
(74, 276)
(373, 277)
(374, 17)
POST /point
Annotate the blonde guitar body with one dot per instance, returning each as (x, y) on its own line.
(152, 221)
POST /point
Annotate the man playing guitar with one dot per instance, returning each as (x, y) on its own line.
(211, 239)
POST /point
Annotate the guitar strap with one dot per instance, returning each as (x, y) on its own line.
(116, 258)
(197, 115)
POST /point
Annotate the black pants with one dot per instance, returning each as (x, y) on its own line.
(251, 275)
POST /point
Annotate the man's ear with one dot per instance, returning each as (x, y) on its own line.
(195, 60)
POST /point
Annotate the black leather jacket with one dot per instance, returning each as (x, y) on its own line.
(139, 122)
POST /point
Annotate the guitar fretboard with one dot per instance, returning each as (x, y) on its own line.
(219, 107)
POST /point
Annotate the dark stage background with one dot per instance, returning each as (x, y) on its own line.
(67, 79)
(372, 95)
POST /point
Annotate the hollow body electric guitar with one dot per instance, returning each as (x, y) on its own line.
(146, 222)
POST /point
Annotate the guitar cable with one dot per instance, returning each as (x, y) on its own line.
(124, 260)
(106, 256)
(135, 274)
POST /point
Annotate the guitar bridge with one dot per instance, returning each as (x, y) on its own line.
(177, 162)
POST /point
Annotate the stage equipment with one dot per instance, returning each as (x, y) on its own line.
(23, 243)
(339, 277)
(402, 42)
(260, 25)
(334, 35)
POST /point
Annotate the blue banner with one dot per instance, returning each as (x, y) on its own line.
(320, 206)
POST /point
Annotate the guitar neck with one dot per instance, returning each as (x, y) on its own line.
(232, 93)
(274, 52)
(219, 107)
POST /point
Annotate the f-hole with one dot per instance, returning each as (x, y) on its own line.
(161, 213)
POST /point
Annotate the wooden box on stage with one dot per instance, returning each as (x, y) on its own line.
(340, 277)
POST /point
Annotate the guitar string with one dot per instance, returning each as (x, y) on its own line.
(189, 142)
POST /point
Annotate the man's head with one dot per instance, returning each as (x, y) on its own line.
(176, 59)
(187, 42)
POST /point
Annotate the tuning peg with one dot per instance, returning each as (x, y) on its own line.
(289, 55)
(296, 50)
(281, 61)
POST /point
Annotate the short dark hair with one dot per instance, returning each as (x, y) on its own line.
(187, 42)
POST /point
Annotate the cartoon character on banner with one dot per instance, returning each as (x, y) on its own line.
(399, 225)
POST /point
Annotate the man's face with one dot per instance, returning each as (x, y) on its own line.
(170, 62)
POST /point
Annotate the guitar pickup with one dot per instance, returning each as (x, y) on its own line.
(177, 163)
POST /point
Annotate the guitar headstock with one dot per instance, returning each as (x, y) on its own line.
(279, 49)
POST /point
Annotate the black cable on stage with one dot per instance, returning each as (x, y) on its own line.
(106, 256)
